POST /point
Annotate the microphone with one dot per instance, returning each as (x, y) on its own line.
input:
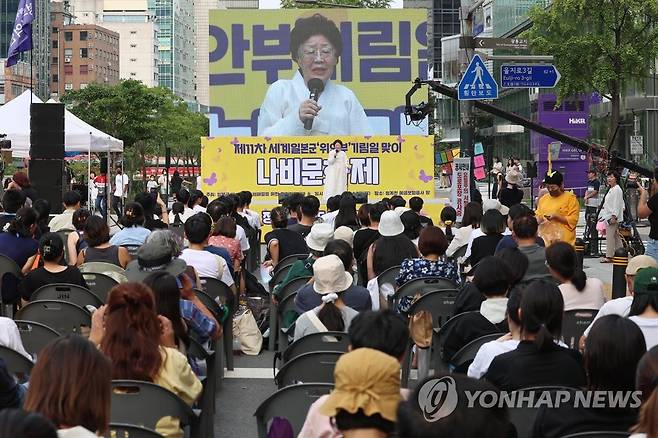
(316, 86)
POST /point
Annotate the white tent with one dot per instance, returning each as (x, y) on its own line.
(78, 135)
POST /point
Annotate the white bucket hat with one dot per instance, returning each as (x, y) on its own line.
(329, 275)
(319, 236)
(390, 224)
(344, 233)
(494, 204)
(513, 177)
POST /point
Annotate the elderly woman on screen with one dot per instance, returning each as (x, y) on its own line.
(315, 45)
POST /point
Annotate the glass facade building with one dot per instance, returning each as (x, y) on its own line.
(176, 40)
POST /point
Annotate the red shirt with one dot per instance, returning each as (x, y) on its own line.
(100, 181)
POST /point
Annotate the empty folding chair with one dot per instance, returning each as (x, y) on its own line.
(35, 336)
(71, 293)
(61, 316)
(315, 367)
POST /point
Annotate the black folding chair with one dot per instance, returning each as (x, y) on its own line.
(289, 261)
(71, 293)
(118, 430)
(464, 357)
(574, 324)
(421, 286)
(292, 286)
(291, 403)
(597, 434)
(35, 336)
(145, 403)
(286, 306)
(17, 364)
(61, 316)
(523, 416)
(388, 277)
(216, 289)
(99, 284)
(207, 398)
(325, 341)
(315, 367)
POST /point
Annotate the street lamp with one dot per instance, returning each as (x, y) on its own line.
(321, 3)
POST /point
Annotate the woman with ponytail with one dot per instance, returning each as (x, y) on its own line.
(51, 251)
(578, 291)
(448, 219)
(141, 346)
(538, 360)
(647, 382)
(17, 243)
(330, 281)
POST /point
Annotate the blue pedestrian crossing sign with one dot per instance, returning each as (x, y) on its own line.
(477, 83)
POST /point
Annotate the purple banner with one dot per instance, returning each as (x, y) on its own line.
(21, 36)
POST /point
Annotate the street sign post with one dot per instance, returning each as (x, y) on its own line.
(529, 76)
(501, 43)
(477, 83)
(637, 145)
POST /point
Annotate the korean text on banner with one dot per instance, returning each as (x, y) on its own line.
(461, 190)
(381, 166)
(256, 78)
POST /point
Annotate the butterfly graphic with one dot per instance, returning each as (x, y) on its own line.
(212, 180)
(235, 141)
(267, 138)
(424, 177)
(367, 137)
(400, 139)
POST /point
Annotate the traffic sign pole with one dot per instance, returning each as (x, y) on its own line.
(466, 108)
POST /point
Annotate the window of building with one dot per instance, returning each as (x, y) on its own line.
(83, 35)
(55, 78)
(55, 29)
(68, 36)
(84, 69)
(68, 70)
(68, 86)
(55, 60)
(83, 53)
(83, 86)
(55, 45)
(68, 52)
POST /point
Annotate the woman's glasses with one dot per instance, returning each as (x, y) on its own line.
(323, 52)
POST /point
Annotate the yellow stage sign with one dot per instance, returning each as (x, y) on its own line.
(382, 166)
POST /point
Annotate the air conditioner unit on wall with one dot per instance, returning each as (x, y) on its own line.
(67, 59)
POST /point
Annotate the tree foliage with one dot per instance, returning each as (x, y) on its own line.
(146, 119)
(292, 4)
(598, 45)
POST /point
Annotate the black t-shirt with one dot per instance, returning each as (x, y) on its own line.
(484, 246)
(425, 221)
(155, 224)
(176, 182)
(362, 241)
(290, 243)
(653, 217)
(300, 228)
(41, 277)
(509, 197)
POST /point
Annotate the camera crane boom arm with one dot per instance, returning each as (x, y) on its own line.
(582, 145)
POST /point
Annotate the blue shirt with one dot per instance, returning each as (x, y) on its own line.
(19, 249)
(223, 253)
(509, 242)
(130, 236)
(200, 324)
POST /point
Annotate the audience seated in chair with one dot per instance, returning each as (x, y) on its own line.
(330, 280)
(524, 233)
(612, 351)
(17, 243)
(470, 222)
(538, 360)
(646, 383)
(492, 280)
(578, 291)
(384, 331)
(515, 212)
(464, 422)
(224, 237)
(310, 207)
(206, 264)
(70, 385)
(141, 346)
(432, 245)
(64, 220)
(75, 240)
(97, 236)
(365, 237)
(282, 242)
(493, 225)
(391, 248)
(644, 309)
(316, 242)
(355, 297)
(133, 232)
(51, 251)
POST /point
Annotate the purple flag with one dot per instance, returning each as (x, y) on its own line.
(21, 37)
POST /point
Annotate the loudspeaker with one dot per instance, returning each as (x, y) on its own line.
(531, 169)
(47, 131)
(46, 176)
(103, 165)
(167, 157)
